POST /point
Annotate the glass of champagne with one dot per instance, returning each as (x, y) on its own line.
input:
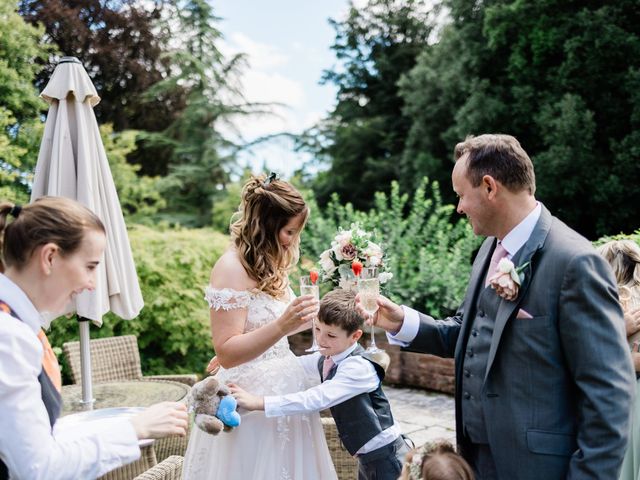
(308, 287)
(369, 289)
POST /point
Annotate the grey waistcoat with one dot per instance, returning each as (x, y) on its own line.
(475, 365)
(364, 416)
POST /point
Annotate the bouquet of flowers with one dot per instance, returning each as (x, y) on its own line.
(347, 247)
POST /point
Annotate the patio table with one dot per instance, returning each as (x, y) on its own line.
(126, 393)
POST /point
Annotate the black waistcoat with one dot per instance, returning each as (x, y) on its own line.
(364, 416)
(50, 397)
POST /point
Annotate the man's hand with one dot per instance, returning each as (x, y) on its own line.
(389, 316)
(245, 399)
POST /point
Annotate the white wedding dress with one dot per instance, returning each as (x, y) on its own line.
(283, 448)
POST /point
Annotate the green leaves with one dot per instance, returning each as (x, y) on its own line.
(173, 328)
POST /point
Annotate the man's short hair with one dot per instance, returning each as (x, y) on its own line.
(338, 307)
(499, 156)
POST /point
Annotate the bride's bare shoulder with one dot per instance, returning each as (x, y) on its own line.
(228, 272)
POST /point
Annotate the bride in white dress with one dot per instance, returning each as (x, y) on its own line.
(253, 309)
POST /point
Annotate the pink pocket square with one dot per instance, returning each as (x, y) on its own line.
(523, 314)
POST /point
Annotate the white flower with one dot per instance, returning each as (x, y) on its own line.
(343, 237)
(326, 262)
(337, 251)
(373, 261)
(373, 252)
(505, 265)
(384, 277)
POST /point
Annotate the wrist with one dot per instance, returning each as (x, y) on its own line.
(138, 427)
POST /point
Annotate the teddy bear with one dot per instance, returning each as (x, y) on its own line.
(214, 407)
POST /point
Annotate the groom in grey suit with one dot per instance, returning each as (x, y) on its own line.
(544, 380)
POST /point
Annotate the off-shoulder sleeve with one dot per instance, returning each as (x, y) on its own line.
(226, 298)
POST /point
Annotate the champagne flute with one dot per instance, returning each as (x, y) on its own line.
(308, 287)
(369, 289)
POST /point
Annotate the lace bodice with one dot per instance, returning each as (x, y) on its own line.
(261, 310)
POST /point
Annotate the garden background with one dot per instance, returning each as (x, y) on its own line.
(412, 77)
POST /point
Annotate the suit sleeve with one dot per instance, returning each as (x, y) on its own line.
(437, 337)
(591, 330)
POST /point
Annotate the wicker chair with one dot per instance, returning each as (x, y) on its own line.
(346, 466)
(115, 358)
(169, 469)
(172, 446)
(146, 461)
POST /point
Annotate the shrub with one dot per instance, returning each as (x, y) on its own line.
(173, 328)
(430, 257)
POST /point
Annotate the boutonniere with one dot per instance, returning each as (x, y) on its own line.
(507, 279)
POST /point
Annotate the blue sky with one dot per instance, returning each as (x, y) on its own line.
(288, 46)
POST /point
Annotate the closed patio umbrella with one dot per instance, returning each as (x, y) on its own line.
(72, 163)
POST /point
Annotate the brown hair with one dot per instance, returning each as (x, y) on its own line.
(47, 220)
(624, 258)
(443, 463)
(500, 156)
(266, 207)
(338, 307)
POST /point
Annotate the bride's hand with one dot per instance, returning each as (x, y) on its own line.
(300, 311)
(214, 366)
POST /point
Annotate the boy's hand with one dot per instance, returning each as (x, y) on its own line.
(245, 399)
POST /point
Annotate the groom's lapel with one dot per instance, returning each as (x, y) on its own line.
(525, 254)
(476, 284)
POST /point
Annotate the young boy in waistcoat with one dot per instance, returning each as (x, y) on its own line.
(350, 386)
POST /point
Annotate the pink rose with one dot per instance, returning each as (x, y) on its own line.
(348, 251)
(504, 285)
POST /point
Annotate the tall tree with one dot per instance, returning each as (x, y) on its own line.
(20, 50)
(363, 137)
(562, 76)
(200, 155)
(120, 46)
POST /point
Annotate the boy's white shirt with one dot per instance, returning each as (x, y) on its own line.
(354, 376)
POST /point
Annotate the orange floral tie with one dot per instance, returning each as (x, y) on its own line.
(50, 361)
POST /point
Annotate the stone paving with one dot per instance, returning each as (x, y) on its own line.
(423, 415)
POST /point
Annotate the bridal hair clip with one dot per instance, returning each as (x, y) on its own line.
(15, 211)
(272, 176)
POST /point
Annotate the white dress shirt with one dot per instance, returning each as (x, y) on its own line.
(28, 447)
(512, 242)
(354, 376)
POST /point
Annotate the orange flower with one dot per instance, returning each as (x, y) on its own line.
(356, 267)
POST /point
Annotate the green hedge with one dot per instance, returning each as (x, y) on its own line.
(173, 328)
(429, 255)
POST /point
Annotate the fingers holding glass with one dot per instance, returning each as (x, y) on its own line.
(309, 287)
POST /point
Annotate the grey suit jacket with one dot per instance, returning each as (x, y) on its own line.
(558, 389)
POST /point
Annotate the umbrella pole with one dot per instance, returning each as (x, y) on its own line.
(85, 364)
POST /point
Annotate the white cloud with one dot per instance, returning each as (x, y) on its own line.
(259, 55)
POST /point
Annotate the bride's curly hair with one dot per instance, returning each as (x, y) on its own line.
(266, 207)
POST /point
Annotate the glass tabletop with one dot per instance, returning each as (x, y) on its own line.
(125, 393)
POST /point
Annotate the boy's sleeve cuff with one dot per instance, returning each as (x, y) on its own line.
(272, 407)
